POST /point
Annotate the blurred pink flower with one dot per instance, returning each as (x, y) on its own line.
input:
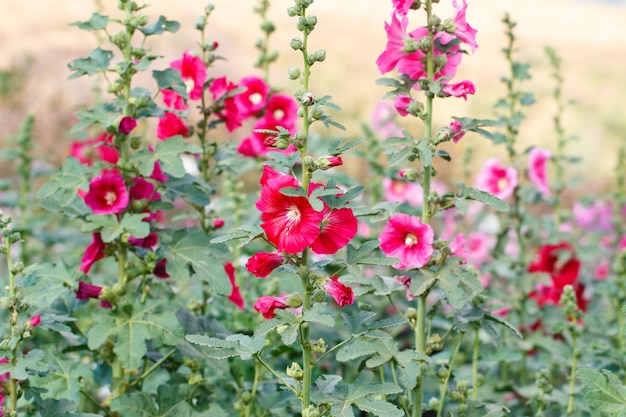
(398, 191)
(457, 130)
(457, 247)
(34, 321)
(401, 104)
(479, 246)
(127, 124)
(230, 111)
(464, 31)
(460, 89)
(235, 295)
(407, 238)
(497, 179)
(94, 150)
(282, 110)
(402, 7)
(253, 100)
(537, 169)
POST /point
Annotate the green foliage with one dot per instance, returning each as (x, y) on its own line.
(168, 154)
(364, 394)
(97, 61)
(606, 392)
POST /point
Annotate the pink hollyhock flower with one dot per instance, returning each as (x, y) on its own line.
(341, 293)
(193, 72)
(171, 125)
(143, 189)
(251, 147)
(34, 321)
(622, 243)
(596, 217)
(603, 271)
(235, 296)
(396, 191)
(94, 150)
(160, 270)
(383, 120)
(268, 174)
(393, 53)
(173, 100)
(457, 130)
(461, 89)
(401, 104)
(464, 31)
(218, 223)
(282, 110)
(497, 179)
(261, 264)
(337, 228)
(479, 246)
(407, 238)
(289, 222)
(559, 261)
(406, 281)
(93, 253)
(414, 64)
(230, 111)
(537, 169)
(267, 305)
(149, 242)
(254, 99)
(457, 247)
(402, 7)
(107, 194)
(127, 124)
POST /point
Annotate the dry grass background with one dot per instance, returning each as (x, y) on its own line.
(36, 41)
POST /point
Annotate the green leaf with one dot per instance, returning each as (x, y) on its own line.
(424, 152)
(64, 380)
(111, 229)
(61, 408)
(96, 22)
(607, 393)
(482, 196)
(316, 315)
(191, 254)
(192, 189)
(334, 149)
(171, 79)
(167, 152)
(388, 82)
(175, 400)
(60, 195)
(246, 232)
(46, 282)
(160, 26)
(136, 404)
(396, 156)
(32, 361)
(97, 61)
(214, 347)
(363, 393)
(356, 349)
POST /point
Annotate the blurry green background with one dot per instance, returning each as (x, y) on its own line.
(36, 44)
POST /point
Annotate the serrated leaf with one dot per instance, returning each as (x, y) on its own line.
(192, 189)
(394, 157)
(246, 345)
(32, 361)
(316, 315)
(136, 404)
(607, 393)
(334, 149)
(60, 408)
(214, 347)
(97, 61)
(356, 349)
(160, 26)
(46, 282)
(175, 400)
(424, 152)
(96, 22)
(167, 152)
(360, 393)
(483, 197)
(170, 79)
(64, 379)
(355, 255)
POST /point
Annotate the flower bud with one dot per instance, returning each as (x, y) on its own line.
(118, 289)
(295, 371)
(119, 39)
(293, 11)
(434, 21)
(142, 20)
(294, 73)
(304, 271)
(317, 112)
(294, 300)
(218, 223)
(135, 142)
(410, 46)
(200, 23)
(17, 268)
(319, 296)
(310, 22)
(307, 99)
(296, 43)
(409, 174)
(327, 162)
(410, 313)
(308, 163)
(319, 55)
(268, 27)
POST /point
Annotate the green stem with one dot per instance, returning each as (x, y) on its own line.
(444, 388)
(95, 402)
(420, 347)
(329, 351)
(475, 363)
(307, 363)
(572, 377)
(255, 387)
(276, 375)
(153, 368)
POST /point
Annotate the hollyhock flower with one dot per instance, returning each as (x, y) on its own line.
(603, 271)
(402, 7)
(193, 72)
(337, 228)
(327, 162)
(93, 150)
(253, 100)
(252, 147)
(457, 247)
(235, 295)
(107, 194)
(94, 252)
(289, 222)
(457, 130)
(396, 191)
(34, 321)
(383, 120)
(157, 172)
(267, 305)
(537, 167)
(460, 89)
(173, 100)
(497, 179)
(414, 64)
(341, 293)
(401, 104)
(479, 246)
(406, 281)
(463, 31)
(393, 53)
(230, 111)
(171, 125)
(127, 124)
(87, 291)
(407, 238)
(149, 242)
(218, 223)
(143, 189)
(160, 270)
(261, 264)
(559, 261)
(282, 110)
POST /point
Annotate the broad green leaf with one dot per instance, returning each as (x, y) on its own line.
(60, 408)
(32, 361)
(424, 152)
(97, 61)
(170, 79)
(175, 400)
(96, 22)
(136, 404)
(214, 347)
(389, 82)
(482, 196)
(607, 393)
(192, 189)
(316, 314)
(396, 156)
(160, 26)
(356, 349)
(46, 282)
(334, 149)
(364, 394)
(246, 345)
(247, 233)
(65, 378)
(167, 152)
(110, 228)
(59, 194)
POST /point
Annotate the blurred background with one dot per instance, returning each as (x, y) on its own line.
(589, 36)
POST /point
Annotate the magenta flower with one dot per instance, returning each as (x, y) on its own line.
(414, 65)
(160, 270)
(289, 222)
(229, 113)
(218, 223)
(464, 31)
(457, 130)
(497, 179)
(282, 110)
(401, 104)
(34, 321)
(537, 169)
(479, 247)
(193, 72)
(149, 242)
(383, 120)
(460, 89)
(107, 194)
(402, 7)
(87, 291)
(235, 295)
(407, 238)
(266, 305)
(93, 253)
(396, 191)
(393, 53)
(261, 264)
(457, 247)
(341, 293)
(173, 100)
(94, 150)
(127, 124)
(254, 99)
(406, 281)
(171, 125)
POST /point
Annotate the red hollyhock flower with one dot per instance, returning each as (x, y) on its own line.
(337, 228)
(87, 291)
(171, 125)
(93, 253)
(341, 293)
(173, 100)
(267, 305)
(407, 238)
(254, 99)
(289, 222)
(261, 264)
(149, 242)
(559, 261)
(235, 296)
(160, 270)
(107, 194)
(282, 110)
(95, 150)
(193, 72)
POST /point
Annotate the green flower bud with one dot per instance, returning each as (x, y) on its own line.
(200, 23)
(434, 21)
(310, 22)
(296, 43)
(293, 11)
(317, 112)
(268, 27)
(319, 55)
(300, 136)
(118, 289)
(433, 403)
(301, 25)
(294, 300)
(307, 99)
(410, 313)
(246, 397)
(119, 39)
(142, 20)
(17, 268)
(294, 73)
(208, 9)
(295, 371)
(319, 296)
(308, 163)
(135, 142)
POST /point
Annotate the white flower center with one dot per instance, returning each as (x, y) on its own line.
(110, 197)
(503, 183)
(293, 214)
(255, 98)
(410, 239)
(278, 114)
(190, 84)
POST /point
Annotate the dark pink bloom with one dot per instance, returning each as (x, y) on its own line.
(149, 242)
(127, 124)
(537, 169)
(266, 305)
(87, 291)
(157, 173)
(253, 100)
(479, 247)
(269, 173)
(497, 179)
(235, 295)
(341, 293)
(173, 100)
(282, 110)
(230, 111)
(289, 222)
(171, 125)
(337, 228)
(331, 161)
(401, 104)
(160, 270)
(457, 130)
(464, 31)
(402, 7)
(261, 264)
(94, 252)
(407, 238)
(95, 150)
(143, 189)
(107, 194)
(414, 65)
(251, 147)
(193, 72)
(460, 89)
(34, 321)
(218, 223)
(393, 53)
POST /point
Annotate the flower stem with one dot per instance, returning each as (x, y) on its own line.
(572, 377)
(307, 363)
(255, 386)
(444, 388)
(420, 347)
(276, 375)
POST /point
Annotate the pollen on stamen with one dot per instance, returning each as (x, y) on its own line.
(110, 197)
(410, 239)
